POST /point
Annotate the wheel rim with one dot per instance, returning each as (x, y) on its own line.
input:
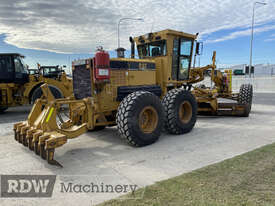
(148, 119)
(185, 112)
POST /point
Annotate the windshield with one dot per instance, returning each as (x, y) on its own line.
(50, 70)
(25, 67)
(153, 49)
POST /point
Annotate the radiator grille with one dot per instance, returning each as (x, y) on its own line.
(82, 82)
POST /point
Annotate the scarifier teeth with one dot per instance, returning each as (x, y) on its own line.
(23, 134)
(42, 151)
(16, 135)
(41, 144)
(29, 138)
(30, 143)
(35, 140)
(50, 156)
(36, 148)
(25, 143)
(20, 138)
(17, 128)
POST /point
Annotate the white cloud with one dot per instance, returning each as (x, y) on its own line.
(80, 26)
(242, 33)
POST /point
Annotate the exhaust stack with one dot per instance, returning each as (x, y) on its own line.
(132, 47)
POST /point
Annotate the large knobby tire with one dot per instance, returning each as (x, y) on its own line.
(245, 94)
(140, 118)
(38, 93)
(3, 109)
(245, 98)
(180, 109)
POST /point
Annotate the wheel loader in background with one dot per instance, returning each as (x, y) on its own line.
(140, 96)
(20, 86)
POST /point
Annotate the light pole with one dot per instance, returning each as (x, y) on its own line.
(252, 34)
(118, 25)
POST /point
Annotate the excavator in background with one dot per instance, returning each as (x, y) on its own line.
(140, 96)
(20, 85)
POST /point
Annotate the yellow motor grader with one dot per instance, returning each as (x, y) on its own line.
(140, 96)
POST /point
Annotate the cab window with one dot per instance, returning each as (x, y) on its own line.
(18, 65)
(185, 58)
(153, 49)
(5, 64)
(50, 70)
(185, 47)
(25, 66)
(183, 71)
(181, 58)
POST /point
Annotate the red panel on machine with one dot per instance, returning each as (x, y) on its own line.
(102, 59)
(102, 65)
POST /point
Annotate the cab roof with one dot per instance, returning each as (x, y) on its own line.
(177, 33)
(12, 54)
(164, 34)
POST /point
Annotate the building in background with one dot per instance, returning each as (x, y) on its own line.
(259, 69)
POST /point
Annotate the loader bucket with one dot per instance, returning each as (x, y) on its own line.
(41, 132)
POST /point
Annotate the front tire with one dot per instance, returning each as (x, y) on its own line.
(245, 98)
(180, 108)
(245, 94)
(140, 118)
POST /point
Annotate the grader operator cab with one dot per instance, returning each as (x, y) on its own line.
(140, 96)
(20, 85)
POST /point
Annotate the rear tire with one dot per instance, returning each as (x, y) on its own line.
(180, 108)
(140, 118)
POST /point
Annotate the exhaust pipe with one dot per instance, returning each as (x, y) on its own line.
(132, 47)
(120, 52)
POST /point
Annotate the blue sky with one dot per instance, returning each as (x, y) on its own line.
(55, 32)
(237, 50)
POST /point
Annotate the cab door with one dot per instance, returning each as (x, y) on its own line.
(181, 60)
